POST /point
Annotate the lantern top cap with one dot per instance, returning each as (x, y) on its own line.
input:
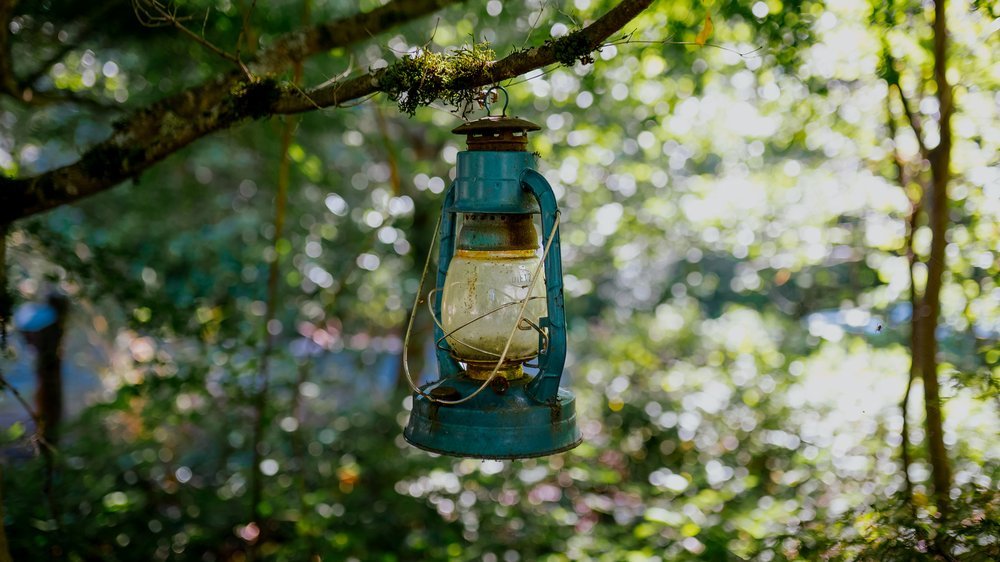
(494, 124)
(497, 133)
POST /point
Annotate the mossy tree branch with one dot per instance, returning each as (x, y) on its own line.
(154, 133)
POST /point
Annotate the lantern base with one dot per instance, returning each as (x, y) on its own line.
(511, 425)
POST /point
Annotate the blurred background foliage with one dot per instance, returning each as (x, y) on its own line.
(736, 279)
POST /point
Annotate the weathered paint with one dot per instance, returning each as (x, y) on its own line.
(510, 425)
(527, 417)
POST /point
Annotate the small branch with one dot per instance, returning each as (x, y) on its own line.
(627, 40)
(903, 179)
(46, 449)
(5, 384)
(246, 32)
(914, 122)
(151, 13)
(904, 433)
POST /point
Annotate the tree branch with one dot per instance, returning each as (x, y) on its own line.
(150, 135)
(302, 44)
(914, 122)
(565, 50)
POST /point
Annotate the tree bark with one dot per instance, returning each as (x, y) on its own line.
(931, 306)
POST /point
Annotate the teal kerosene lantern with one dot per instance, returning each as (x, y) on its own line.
(495, 309)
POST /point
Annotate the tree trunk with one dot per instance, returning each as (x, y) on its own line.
(938, 217)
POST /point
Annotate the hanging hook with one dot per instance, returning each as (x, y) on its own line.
(506, 100)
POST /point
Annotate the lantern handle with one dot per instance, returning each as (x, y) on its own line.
(506, 100)
(545, 386)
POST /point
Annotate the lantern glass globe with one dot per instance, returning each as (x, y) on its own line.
(480, 303)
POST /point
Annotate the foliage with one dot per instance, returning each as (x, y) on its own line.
(732, 235)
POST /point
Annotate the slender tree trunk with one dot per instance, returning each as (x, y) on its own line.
(916, 206)
(264, 380)
(931, 306)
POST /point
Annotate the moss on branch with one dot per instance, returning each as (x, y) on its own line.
(254, 98)
(420, 79)
(573, 47)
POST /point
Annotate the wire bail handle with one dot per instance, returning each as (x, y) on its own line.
(510, 338)
(506, 100)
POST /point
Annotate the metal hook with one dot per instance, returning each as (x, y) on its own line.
(506, 100)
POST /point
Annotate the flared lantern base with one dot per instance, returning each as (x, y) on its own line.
(499, 423)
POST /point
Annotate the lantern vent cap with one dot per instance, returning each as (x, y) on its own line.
(494, 123)
(497, 132)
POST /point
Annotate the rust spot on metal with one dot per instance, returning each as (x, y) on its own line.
(500, 384)
(555, 411)
(445, 393)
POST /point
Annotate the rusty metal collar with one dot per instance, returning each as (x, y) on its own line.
(500, 133)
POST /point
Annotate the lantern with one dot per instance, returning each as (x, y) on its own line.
(497, 306)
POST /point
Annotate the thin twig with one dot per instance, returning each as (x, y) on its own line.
(534, 24)
(5, 384)
(347, 72)
(246, 33)
(162, 17)
(549, 70)
(43, 447)
(914, 121)
(628, 40)
(305, 95)
(911, 226)
(204, 22)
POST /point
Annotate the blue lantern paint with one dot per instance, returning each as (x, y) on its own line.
(497, 190)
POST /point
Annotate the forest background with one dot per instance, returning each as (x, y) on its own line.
(756, 196)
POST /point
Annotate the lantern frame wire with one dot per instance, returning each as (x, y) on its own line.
(510, 338)
(437, 322)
